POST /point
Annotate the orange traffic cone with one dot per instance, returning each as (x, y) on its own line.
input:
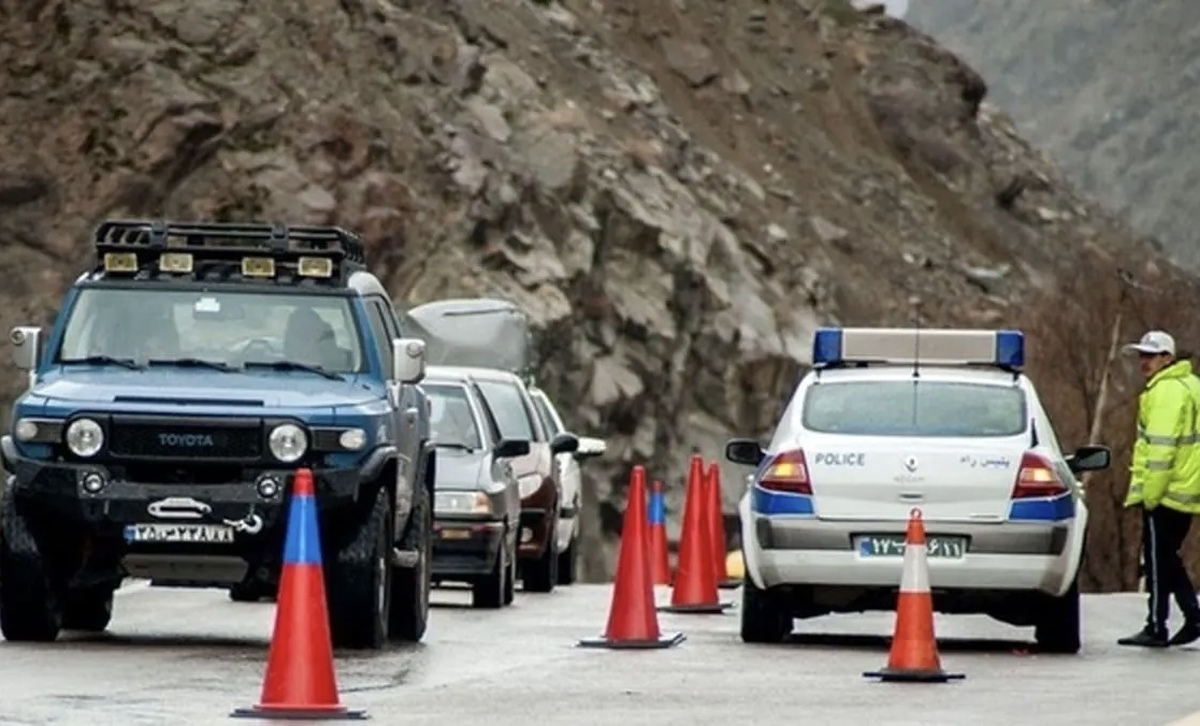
(660, 563)
(300, 683)
(914, 654)
(695, 589)
(632, 621)
(716, 529)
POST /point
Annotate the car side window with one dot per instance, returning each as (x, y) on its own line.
(488, 417)
(383, 341)
(548, 421)
(513, 415)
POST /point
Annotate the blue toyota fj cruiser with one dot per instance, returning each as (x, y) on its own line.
(188, 375)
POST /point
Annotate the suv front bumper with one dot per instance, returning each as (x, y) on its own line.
(95, 495)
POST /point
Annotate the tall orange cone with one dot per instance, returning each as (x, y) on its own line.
(660, 563)
(695, 589)
(632, 620)
(914, 654)
(716, 529)
(300, 683)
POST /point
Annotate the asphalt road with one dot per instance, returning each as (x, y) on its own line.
(190, 656)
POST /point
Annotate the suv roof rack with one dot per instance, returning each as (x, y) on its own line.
(226, 252)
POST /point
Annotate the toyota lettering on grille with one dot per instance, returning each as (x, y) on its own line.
(187, 441)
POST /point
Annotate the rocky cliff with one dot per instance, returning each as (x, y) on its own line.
(1106, 86)
(678, 191)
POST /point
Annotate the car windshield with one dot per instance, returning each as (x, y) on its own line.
(915, 408)
(451, 418)
(508, 406)
(225, 329)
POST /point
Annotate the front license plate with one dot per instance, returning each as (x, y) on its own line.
(882, 545)
(456, 534)
(185, 533)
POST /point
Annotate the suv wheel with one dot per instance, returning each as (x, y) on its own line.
(31, 607)
(488, 591)
(541, 575)
(88, 609)
(358, 585)
(411, 585)
(764, 618)
(1057, 626)
(566, 563)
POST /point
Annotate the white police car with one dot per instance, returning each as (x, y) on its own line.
(890, 420)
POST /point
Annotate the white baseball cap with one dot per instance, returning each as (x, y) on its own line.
(1155, 342)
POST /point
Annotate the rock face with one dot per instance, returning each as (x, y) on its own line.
(1105, 86)
(677, 192)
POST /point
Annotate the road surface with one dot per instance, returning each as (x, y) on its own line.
(190, 656)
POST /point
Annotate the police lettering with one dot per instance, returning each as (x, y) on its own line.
(840, 459)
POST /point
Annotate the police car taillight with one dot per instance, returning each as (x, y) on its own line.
(1036, 478)
(787, 472)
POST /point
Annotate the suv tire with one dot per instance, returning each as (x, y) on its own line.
(411, 585)
(31, 604)
(88, 609)
(358, 585)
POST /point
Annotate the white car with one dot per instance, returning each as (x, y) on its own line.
(892, 420)
(571, 476)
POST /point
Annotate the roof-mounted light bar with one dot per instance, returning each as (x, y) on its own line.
(916, 346)
(145, 248)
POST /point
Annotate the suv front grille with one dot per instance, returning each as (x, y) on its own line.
(185, 439)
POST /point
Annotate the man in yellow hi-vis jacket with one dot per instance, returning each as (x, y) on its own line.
(1165, 482)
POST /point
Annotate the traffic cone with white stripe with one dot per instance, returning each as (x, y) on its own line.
(914, 655)
(300, 684)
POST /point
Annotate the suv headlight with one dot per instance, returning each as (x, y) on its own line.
(84, 437)
(352, 439)
(288, 442)
(461, 503)
(529, 484)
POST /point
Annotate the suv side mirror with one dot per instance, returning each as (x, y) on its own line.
(408, 360)
(564, 443)
(26, 341)
(511, 448)
(1089, 458)
(590, 447)
(744, 451)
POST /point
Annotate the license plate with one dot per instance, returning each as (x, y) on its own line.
(456, 534)
(184, 533)
(946, 548)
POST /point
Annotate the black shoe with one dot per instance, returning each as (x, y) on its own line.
(1146, 638)
(1187, 633)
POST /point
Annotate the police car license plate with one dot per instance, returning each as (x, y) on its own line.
(887, 545)
(186, 533)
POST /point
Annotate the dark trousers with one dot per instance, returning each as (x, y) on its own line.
(1163, 532)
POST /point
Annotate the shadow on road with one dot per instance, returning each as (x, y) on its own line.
(883, 642)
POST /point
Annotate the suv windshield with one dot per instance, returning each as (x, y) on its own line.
(226, 329)
(451, 418)
(508, 406)
(915, 408)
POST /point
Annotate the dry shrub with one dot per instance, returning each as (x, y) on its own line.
(1090, 389)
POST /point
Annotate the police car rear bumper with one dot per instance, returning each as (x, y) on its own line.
(1011, 556)
(92, 493)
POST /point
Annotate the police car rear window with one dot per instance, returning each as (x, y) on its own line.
(915, 408)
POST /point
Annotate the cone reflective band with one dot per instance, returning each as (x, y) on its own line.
(300, 683)
(660, 562)
(632, 620)
(913, 656)
(695, 587)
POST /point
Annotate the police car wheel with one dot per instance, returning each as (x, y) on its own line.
(1057, 627)
(358, 587)
(765, 617)
(411, 586)
(31, 606)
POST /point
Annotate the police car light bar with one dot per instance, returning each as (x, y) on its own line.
(929, 346)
